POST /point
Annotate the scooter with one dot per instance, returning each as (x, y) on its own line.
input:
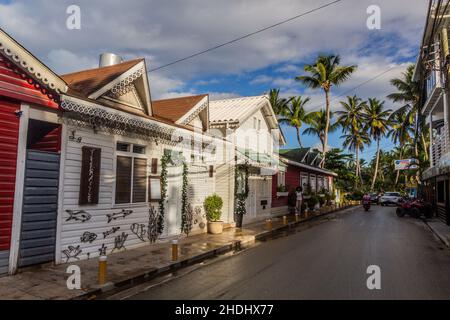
(366, 204)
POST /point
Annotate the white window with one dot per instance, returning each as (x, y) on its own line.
(281, 178)
(131, 173)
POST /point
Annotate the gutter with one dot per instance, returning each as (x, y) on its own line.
(301, 165)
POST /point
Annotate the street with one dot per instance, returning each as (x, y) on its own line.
(327, 261)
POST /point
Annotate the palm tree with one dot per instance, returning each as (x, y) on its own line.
(409, 94)
(399, 134)
(376, 120)
(279, 104)
(350, 118)
(355, 142)
(317, 122)
(325, 73)
(295, 115)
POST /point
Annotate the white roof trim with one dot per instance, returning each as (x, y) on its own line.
(30, 64)
(302, 165)
(199, 107)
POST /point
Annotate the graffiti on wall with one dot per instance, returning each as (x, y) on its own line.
(110, 231)
(140, 230)
(152, 229)
(117, 215)
(88, 237)
(72, 253)
(119, 241)
(78, 215)
(102, 250)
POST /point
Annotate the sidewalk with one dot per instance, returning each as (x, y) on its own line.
(440, 229)
(131, 267)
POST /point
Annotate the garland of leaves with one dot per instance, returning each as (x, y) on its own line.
(165, 160)
(186, 214)
(241, 197)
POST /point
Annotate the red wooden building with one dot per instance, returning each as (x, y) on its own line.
(298, 167)
(28, 89)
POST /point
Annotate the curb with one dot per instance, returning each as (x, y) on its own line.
(442, 238)
(112, 288)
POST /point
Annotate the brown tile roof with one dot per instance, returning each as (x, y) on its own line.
(83, 83)
(175, 108)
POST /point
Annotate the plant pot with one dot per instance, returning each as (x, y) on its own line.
(282, 194)
(321, 195)
(215, 227)
(306, 197)
(239, 218)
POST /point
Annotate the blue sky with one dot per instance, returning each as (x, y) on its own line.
(164, 31)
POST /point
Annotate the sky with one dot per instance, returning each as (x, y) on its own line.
(164, 31)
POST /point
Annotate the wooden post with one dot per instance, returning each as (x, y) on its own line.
(174, 250)
(102, 266)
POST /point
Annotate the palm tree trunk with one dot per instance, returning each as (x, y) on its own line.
(398, 171)
(327, 125)
(376, 165)
(357, 168)
(298, 137)
(425, 148)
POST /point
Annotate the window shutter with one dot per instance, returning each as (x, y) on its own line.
(90, 175)
(123, 179)
(139, 180)
(154, 166)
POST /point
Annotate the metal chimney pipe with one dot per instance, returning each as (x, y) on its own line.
(109, 59)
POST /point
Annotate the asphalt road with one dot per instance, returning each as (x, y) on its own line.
(327, 261)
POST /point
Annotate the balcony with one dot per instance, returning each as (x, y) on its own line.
(434, 90)
(440, 146)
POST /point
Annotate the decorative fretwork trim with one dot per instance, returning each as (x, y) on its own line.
(126, 85)
(195, 113)
(98, 117)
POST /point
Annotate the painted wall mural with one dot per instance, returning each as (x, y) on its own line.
(88, 237)
(119, 241)
(140, 230)
(72, 252)
(110, 231)
(118, 215)
(78, 215)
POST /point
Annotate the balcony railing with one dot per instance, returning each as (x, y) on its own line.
(440, 146)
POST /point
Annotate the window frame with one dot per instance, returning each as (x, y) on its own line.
(132, 155)
(281, 178)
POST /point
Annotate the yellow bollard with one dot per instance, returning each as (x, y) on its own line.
(285, 220)
(297, 217)
(102, 264)
(306, 214)
(269, 224)
(174, 250)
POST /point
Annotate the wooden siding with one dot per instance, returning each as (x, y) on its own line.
(9, 131)
(72, 230)
(4, 262)
(14, 86)
(224, 174)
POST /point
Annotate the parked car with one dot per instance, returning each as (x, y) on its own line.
(374, 198)
(390, 198)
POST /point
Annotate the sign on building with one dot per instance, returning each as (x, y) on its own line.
(406, 164)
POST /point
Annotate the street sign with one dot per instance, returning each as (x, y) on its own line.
(406, 164)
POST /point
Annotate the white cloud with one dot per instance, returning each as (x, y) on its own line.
(261, 79)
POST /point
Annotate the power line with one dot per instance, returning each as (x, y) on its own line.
(245, 36)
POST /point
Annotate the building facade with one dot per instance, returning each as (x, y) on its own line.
(432, 74)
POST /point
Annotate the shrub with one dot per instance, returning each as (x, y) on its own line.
(313, 201)
(213, 206)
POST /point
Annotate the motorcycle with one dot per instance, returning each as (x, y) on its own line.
(366, 204)
(415, 208)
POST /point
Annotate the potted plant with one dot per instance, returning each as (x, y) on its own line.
(240, 209)
(312, 202)
(282, 191)
(307, 192)
(213, 206)
(292, 201)
(322, 193)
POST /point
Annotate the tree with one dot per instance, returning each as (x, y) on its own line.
(338, 162)
(355, 142)
(317, 122)
(376, 120)
(409, 94)
(350, 118)
(295, 115)
(325, 73)
(279, 104)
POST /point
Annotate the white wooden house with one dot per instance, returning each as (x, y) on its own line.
(113, 141)
(251, 127)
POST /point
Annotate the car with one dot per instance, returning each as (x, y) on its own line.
(374, 198)
(390, 198)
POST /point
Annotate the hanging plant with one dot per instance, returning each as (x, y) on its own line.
(242, 172)
(165, 160)
(186, 213)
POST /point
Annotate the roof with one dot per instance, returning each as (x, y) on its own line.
(174, 109)
(297, 154)
(237, 110)
(83, 83)
(306, 166)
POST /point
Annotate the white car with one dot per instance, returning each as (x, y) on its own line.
(390, 198)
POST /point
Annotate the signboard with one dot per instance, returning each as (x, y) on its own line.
(406, 164)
